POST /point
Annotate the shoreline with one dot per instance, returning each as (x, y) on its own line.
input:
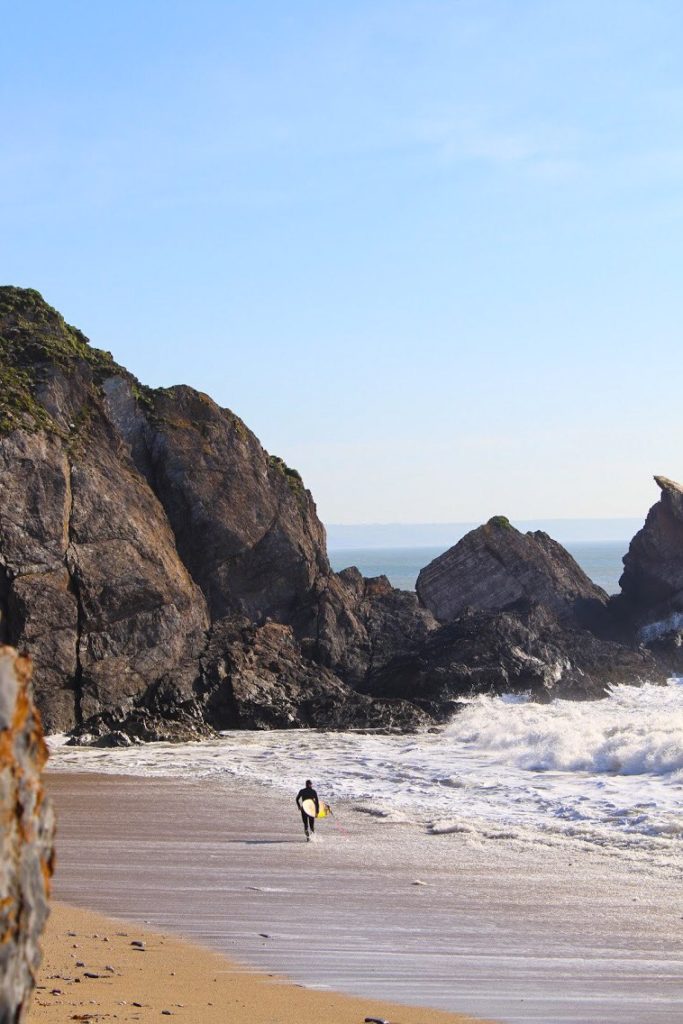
(91, 970)
(495, 929)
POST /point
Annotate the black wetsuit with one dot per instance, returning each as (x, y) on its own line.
(307, 793)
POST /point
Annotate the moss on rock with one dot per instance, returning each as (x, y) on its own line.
(502, 522)
(34, 337)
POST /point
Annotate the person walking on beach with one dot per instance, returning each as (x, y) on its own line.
(308, 796)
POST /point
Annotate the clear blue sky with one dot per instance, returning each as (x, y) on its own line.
(429, 251)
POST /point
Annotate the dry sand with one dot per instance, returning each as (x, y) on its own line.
(92, 972)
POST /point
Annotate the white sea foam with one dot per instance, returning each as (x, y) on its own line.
(608, 772)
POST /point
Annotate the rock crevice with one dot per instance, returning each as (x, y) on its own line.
(71, 566)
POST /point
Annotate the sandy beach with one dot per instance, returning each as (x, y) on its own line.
(97, 968)
(376, 910)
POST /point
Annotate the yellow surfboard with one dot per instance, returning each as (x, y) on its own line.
(309, 808)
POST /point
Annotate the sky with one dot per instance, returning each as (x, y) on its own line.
(430, 252)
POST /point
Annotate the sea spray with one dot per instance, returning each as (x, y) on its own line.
(633, 731)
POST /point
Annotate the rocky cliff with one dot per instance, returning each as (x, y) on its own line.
(170, 577)
(139, 528)
(25, 838)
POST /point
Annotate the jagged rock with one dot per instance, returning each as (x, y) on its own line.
(495, 567)
(363, 623)
(26, 838)
(521, 651)
(163, 714)
(256, 676)
(652, 581)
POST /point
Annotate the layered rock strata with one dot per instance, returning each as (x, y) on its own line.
(26, 837)
(495, 567)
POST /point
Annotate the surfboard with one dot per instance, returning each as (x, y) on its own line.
(324, 810)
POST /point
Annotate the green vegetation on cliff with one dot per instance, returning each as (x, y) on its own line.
(292, 476)
(33, 338)
(502, 522)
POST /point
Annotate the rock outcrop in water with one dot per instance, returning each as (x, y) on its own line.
(520, 616)
(525, 650)
(495, 568)
(652, 581)
(26, 837)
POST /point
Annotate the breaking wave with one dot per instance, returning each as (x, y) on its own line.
(633, 731)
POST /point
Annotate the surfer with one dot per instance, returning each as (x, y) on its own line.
(306, 800)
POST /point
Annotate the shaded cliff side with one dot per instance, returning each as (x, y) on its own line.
(26, 838)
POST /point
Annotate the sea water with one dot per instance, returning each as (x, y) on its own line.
(600, 560)
(605, 774)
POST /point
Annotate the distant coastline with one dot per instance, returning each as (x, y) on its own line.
(341, 536)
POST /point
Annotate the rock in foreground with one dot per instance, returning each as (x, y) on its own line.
(25, 836)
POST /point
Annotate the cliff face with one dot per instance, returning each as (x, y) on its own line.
(26, 838)
(137, 525)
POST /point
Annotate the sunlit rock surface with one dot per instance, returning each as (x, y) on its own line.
(26, 837)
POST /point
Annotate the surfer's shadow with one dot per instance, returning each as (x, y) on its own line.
(267, 842)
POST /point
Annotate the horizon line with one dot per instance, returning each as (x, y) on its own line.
(512, 519)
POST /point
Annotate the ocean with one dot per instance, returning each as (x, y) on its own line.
(601, 560)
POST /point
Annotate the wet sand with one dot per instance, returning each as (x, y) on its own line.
(97, 968)
(496, 931)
